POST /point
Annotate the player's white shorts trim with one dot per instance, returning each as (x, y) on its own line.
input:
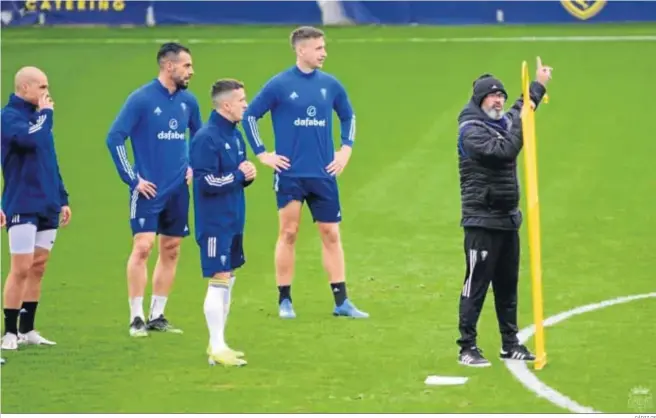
(24, 238)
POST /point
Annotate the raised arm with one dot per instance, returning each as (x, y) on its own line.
(536, 91)
(25, 135)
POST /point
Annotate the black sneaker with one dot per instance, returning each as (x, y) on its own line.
(162, 324)
(473, 357)
(518, 352)
(138, 328)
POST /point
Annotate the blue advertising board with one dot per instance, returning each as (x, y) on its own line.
(486, 12)
(73, 12)
(118, 12)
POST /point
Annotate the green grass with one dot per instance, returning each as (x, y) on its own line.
(584, 334)
(401, 234)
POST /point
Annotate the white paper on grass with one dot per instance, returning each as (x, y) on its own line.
(446, 380)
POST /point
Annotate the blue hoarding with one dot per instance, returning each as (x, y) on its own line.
(117, 12)
(74, 12)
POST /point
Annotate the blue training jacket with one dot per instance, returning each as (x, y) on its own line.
(32, 180)
(301, 107)
(156, 121)
(215, 153)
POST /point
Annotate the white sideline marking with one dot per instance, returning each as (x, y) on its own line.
(214, 41)
(521, 371)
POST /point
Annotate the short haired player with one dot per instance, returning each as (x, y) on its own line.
(34, 201)
(301, 100)
(156, 117)
(221, 172)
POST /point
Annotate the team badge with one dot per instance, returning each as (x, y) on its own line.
(583, 9)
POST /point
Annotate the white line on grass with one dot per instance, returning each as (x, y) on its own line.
(214, 41)
(521, 371)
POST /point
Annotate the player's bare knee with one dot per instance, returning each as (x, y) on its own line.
(142, 247)
(142, 250)
(20, 266)
(171, 254)
(222, 276)
(18, 275)
(289, 233)
(170, 249)
(329, 234)
(290, 217)
(39, 264)
(38, 271)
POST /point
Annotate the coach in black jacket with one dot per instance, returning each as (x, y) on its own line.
(489, 142)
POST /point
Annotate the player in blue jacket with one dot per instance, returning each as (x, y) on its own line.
(301, 101)
(34, 201)
(221, 172)
(156, 117)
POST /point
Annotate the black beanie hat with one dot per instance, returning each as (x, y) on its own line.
(484, 85)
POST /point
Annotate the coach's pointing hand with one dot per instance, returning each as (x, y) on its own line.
(339, 163)
(275, 161)
(146, 188)
(543, 74)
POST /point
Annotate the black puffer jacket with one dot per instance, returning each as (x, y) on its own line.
(488, 150)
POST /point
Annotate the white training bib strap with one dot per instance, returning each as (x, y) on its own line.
(22, 239)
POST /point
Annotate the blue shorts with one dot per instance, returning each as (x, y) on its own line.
(321, 195)
(220, 252)
(165, 216)
(43, 223)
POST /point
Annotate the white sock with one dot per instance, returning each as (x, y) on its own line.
(136, 308)
(157, 305)
(214, 315)
(227, 298)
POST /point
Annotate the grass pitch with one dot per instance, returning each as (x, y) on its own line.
(405, 262)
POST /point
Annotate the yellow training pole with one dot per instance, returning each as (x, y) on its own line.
(533, 215)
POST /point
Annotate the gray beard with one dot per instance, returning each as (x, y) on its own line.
(494, 114)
